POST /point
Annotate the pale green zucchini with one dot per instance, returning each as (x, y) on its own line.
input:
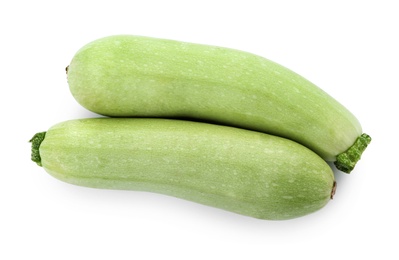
(246, 172)
(133, 76)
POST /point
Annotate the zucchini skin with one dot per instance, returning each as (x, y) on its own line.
(135, 76)
(242, 171)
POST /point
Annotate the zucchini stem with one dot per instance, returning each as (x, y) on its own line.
(36, 141)
(347, 160)
(334, 188)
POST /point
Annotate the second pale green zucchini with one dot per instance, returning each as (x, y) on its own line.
(242, 171)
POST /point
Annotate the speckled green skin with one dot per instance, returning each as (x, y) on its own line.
(146, 77)
(242, 171)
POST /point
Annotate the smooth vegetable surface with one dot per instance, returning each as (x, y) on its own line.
(133, 76)
(242, 171)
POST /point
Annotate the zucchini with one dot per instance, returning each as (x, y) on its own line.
(134, 76)
(242, 171)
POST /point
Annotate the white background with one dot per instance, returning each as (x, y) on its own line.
(348, 48)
